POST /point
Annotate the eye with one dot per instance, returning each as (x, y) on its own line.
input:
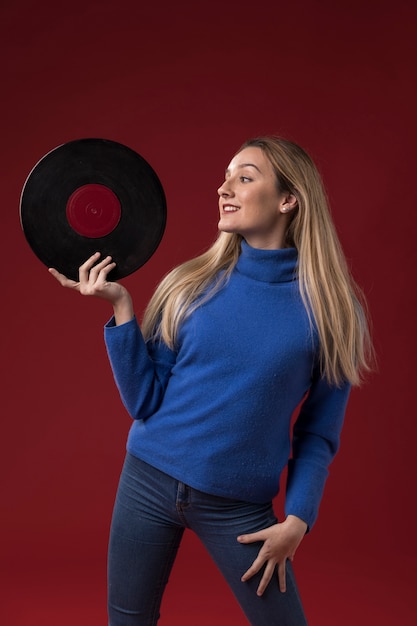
(245, 179)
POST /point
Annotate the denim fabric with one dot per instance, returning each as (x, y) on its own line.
(151, 512)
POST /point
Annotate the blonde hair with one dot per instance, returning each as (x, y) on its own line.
(330, 295)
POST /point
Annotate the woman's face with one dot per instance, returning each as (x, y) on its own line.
(250, 203)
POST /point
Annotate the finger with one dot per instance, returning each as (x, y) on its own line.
(266, 578)
(84, 270)
(282, 577)
(106, 267)
(254, 568)
(99, 272)
(61, 278)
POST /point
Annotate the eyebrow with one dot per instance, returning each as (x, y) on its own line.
(242, 165)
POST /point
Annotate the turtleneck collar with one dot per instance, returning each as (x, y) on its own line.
(268, 266)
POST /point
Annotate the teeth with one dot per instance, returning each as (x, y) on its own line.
(230, 209)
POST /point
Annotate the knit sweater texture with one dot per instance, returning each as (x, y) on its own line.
(215, 413)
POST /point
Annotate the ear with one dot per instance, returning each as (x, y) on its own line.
(288, 203)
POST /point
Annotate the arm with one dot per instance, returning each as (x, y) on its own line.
(141, 374)
(315, 442)
(141, 370)
(316, 438)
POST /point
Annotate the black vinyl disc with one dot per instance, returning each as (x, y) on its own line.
(93, 195)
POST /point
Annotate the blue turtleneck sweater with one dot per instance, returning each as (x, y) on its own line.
(215, 413)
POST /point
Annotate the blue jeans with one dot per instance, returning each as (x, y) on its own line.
(151, 512)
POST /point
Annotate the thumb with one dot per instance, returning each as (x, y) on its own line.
(251, 538)
(65, 282)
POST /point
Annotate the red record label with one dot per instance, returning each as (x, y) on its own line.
(93, 210)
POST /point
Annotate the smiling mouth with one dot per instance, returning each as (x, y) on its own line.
(230, 208)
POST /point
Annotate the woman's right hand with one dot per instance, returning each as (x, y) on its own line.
(93, 282)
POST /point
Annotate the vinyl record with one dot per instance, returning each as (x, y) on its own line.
(93, 195)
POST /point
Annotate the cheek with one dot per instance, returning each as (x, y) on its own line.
(267, 204)
(262, 204)
(256, 200)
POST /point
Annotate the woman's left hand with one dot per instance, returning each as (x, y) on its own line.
(280, 543)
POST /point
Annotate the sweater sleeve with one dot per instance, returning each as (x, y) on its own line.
(316, 438)
(141, 370)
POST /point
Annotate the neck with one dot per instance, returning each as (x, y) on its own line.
(266, 265)
(269, 241)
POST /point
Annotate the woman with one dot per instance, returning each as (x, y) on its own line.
(231, 343)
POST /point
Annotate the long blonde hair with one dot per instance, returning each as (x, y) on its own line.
(330, 295)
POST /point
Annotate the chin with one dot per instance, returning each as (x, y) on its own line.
(225, 228)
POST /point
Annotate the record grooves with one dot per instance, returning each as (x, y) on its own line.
(93, 195)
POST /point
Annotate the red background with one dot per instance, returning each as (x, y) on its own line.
(184, 84)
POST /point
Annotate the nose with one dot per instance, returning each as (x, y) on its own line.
(225, 190)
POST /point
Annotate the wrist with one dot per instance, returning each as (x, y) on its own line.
(296, 523)
(123, 309)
